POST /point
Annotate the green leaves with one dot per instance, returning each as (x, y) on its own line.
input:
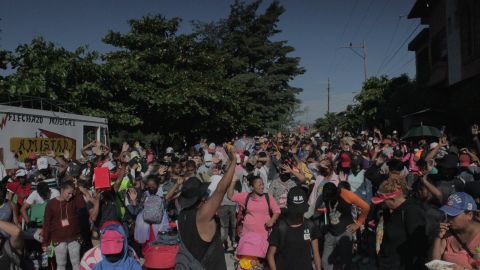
(224, 78)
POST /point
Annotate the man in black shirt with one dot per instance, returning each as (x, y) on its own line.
(294, 239)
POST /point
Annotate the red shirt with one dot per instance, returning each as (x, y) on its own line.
(19, 190)
(54, 229)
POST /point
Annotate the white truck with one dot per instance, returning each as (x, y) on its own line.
(25, 131)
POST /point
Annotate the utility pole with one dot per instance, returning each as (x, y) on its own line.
(328, 96)
(362, 55)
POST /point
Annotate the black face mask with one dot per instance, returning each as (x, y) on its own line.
(284, 177)
(152, 191)
(355, 170)
(324, 171)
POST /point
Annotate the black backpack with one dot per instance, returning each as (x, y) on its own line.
(186, 261)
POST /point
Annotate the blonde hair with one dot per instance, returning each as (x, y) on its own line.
(393, 184)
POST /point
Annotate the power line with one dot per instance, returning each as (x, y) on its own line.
(389, 45)
(401, 67)
(363, 19)
(377, 18)
(401, 46)
(341, 36)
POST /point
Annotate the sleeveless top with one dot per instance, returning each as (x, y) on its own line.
(187, 226)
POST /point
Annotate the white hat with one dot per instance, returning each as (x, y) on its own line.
(20, 173)
(170, 150)
(42, 163)
(108, 165)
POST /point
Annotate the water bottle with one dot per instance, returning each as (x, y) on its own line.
(44, 260)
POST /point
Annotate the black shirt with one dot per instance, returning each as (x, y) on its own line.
(339, 216)
(404, 244)
(294, 251)
(187, 227)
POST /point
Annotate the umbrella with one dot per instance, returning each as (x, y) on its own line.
(423, 131)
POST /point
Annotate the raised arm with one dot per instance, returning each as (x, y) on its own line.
(231, 188)
(208, 211)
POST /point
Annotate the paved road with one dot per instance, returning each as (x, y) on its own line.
(358, 266)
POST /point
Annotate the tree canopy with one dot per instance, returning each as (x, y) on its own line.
(223, 78)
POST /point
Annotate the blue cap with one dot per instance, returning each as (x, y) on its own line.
(458, 203)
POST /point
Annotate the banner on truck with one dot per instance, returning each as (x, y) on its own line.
(24, 147)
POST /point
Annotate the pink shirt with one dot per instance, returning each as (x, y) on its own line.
(257, 212)
(461, 257)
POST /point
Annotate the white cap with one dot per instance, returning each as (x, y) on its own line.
(169, 150)
(42, 163)
(109, 165)
(20, 173)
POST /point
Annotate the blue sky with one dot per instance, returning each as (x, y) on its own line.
(315, 28)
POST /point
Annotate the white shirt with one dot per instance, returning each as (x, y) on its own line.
(35, 198)
(214, 180)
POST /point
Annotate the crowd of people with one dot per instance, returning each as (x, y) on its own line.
(283, 201)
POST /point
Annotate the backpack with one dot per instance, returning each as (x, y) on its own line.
(153, 209)
(186, 261)
(241, 214)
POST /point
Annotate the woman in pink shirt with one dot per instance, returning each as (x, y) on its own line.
(257, 218)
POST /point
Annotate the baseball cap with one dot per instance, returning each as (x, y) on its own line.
(398, 153)
(211, 148)
(20, 173)
(169, 150)
(111, 242)
(473, 189)
(297, 200)
(458, 203)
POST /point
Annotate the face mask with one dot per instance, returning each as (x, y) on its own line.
(152, 191)
(324, 171)
(284, 177)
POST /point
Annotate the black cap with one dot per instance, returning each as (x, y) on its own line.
(192, 191)
(297, 200)
(398, 153)
(473, 189)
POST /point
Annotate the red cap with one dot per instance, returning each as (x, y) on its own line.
(111, 242)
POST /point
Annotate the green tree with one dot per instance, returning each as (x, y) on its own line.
(258, 68)
(327, 123)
